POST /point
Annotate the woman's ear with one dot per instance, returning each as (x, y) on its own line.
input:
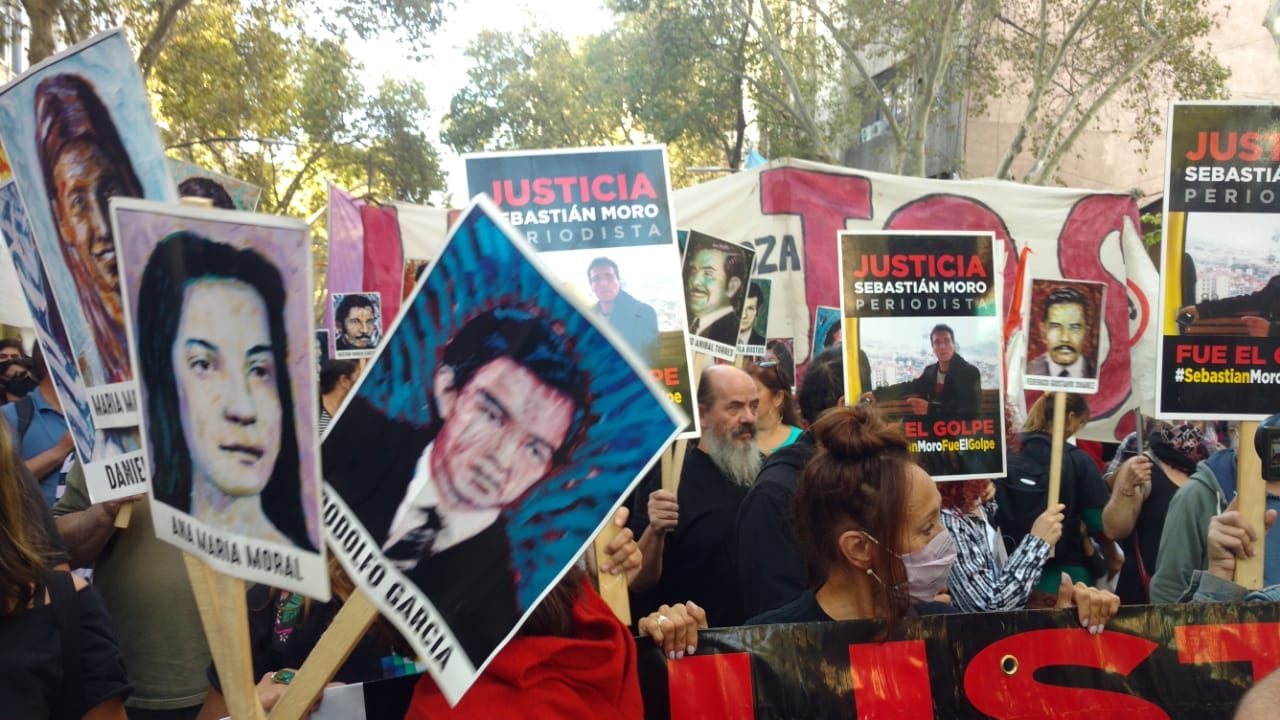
(856, 549)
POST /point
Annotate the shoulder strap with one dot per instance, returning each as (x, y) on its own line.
(26, 408)
(62, 593)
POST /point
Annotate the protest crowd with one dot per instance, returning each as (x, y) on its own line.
(495, 488)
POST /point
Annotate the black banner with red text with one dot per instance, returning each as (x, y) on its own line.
(1176, 661)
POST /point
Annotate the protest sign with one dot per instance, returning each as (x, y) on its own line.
(755, 318)
(1219, 354)
(357, 322)
(791, 211)
(602, 219)
(498, 427)
(224, 191)
(218, 312)
(1063, 343)
(923, 307)
(716, 276)
(77, 130)
(1179, 661)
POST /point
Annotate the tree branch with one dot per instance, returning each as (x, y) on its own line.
(882, 100)
(229, 139)
(151, 49)
(1047, 166)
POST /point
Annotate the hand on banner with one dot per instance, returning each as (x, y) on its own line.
(1048, 527)
(664, 511)
(1094, 607)
(675, 628)
(919, 406)
(1230, 538)
(1133, 476)
(623, 552)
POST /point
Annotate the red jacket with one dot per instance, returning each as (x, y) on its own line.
(592, 675)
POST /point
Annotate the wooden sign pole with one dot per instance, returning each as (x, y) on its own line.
(1055, 453)
(336, 644)
(613, 588)
(1251, 491)
(225, 616)
(124, 515)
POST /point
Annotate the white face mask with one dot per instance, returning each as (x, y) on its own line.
(927, 568)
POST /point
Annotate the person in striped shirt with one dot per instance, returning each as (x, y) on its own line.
(983, 578)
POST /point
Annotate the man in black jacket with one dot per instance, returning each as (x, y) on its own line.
(509, 406)
(950, 387)
(767, 550)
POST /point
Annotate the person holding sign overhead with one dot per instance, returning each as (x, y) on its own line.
(213, 355)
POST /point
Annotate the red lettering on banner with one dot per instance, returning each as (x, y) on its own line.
(1201, 354)
(711, 686)
(1254, 643)
(954, 212)
(891, 680)
(824, 202)
(1000, 680)
(960, 428)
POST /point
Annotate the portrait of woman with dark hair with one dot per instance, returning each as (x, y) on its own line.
(84, 165)
(213, 360)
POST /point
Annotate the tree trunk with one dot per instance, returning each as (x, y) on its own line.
(41, 14)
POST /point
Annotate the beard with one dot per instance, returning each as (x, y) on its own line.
(740, 463)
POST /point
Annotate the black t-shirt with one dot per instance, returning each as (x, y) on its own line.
(697, 560)
(1082, 489)
(32, 666)
(286, 644)
(805, 609)
(1146, 534)
(768, 551)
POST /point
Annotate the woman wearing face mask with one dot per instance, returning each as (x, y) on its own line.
(868, 515)
(337, 377)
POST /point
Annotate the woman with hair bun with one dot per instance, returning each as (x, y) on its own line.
(870, 517)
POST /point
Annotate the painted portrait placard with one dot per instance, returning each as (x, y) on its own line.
(77, 130)
(1064, 335)
(491, 438)
(219, 318)
(222, 190)
(717, 276)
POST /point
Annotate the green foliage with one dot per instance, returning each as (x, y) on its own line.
(241, 88)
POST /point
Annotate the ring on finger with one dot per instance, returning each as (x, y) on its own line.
(663, 618)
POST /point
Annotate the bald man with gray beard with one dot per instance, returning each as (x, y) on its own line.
(688, 541)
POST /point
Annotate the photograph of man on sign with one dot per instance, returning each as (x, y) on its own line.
(636, 321)
(950, 387)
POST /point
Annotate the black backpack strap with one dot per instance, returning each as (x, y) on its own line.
(66, 610)
(26, 408)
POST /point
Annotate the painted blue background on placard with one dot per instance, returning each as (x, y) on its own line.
(481, 269)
